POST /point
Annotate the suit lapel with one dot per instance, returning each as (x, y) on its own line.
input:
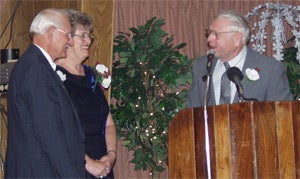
(60, 85)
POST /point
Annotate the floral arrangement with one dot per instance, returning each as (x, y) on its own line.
(103, 75)
(252, 74)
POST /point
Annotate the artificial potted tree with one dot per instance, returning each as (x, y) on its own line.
(149, 81)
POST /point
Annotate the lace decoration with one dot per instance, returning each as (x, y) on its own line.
(275, 14)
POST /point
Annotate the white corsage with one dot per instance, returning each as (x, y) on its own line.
(252, 74)
(106, 82)
(61, 75)
(103, 75)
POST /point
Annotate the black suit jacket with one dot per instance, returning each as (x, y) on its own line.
(45, 138)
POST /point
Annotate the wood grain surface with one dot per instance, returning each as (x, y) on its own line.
(247, 140)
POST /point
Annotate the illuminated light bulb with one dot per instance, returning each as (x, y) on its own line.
(153, 76)
(177, 92)
(139, 97)
(137, 105)
(163, 108)
(151, 114)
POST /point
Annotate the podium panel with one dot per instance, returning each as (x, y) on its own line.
(247, 140)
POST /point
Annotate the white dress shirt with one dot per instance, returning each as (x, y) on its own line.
(48, 57)
(238, 62)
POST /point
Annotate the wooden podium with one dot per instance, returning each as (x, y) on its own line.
(247, 140)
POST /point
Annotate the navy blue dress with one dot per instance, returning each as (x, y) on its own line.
(92, 108)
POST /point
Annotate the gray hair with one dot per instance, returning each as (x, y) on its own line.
(239, 23)
(45, 19)
(79, 20)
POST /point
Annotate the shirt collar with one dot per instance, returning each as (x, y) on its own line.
(48, 57)
(239, 60)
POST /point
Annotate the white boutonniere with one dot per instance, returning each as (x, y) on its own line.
(252, 74)
(61, 75)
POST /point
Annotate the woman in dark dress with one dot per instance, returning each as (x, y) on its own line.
(89, 100)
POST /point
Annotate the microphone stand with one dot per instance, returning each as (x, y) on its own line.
(249, 99)
(240, 98)
(206, 133)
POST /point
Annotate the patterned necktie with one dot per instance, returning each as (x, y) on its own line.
(225, 87)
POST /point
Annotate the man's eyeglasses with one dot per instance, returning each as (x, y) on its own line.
(215, 33)
(84, 36)
(69, 35)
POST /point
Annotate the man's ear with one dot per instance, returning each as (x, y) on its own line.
(238, 38)
(50, 31)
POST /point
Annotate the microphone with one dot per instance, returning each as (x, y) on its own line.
(236, 76)
(210, 58)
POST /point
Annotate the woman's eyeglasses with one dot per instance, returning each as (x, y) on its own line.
(85, 36)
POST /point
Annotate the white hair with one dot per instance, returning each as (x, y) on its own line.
(239, 23)
(45, 19)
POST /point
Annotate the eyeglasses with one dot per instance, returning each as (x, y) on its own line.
(69, 35)
(84, 36)
(215, 33)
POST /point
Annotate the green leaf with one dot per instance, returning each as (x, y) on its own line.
(123, 60)
(132, 46)
(180, 46)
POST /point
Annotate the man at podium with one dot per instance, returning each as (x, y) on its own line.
(232, 72)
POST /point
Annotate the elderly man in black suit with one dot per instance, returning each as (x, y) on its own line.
(45, 139)
(264, 77)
